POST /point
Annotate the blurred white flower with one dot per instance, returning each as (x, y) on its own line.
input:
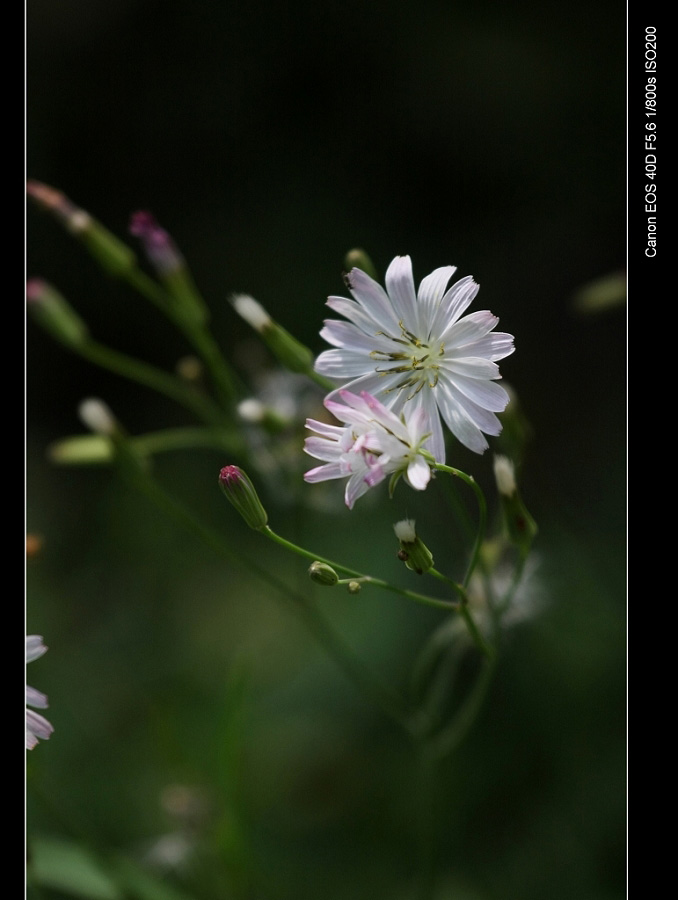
(415, 351)
(37, 727)
(373, 443)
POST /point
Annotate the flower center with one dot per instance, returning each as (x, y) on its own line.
(413, 357)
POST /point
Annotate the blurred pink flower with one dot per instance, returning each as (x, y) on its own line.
(37, 727)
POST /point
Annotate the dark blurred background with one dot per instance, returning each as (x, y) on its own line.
(269, 139)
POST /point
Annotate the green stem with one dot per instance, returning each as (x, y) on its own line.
(476, 636)
(321, 381)
(187, 439)
(388, 700)
(369, 579)
(447, 740)
(147, 287)
(482, 523)
(147, 375)
(207, 348)
(201, 340)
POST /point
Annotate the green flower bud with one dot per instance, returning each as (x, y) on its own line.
(520, 526)
(55, 314)
(413, 551)
(358, 259)
(287, 349)
(239, 490)
(354, 587)
(323, 574)
(106, 248)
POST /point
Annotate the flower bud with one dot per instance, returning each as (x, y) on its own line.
(520, 525)
(354, 587)
(168, 262)
(290, 352)
(505, 476)
(53, 313)
(413, 551)
(111, 253)
(323, 574)
(239, 490)
(358, 259)
(97, 416)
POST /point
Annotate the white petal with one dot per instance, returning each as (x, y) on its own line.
(418, 473)
(417, 423)
(324, 473)
(496, 345)
(34, 647)
(458, 421)
(37, 726)
(485, 394)
(400, 287)
(355, 313)
(343, 363)
(355, 488)
(470, 328)
(482, 418)
(375, 383)
(350, 337)
(333, 432)
(36, 698)
(373, 298)
(471, 367)
(436, 443)
(431, 292)
(453, 304)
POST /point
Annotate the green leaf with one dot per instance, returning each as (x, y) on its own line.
(70, 868)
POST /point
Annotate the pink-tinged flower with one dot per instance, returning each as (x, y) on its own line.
(37, 727)
(415, 351)
(372, 443)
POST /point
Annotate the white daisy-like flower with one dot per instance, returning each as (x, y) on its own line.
(37, 727)
(373, 442)
(414, 350)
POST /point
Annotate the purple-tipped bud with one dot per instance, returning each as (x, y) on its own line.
(239, 490)
(159, 246)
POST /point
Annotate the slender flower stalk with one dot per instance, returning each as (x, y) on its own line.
(482, 517)
(361, 577)
(414, 349)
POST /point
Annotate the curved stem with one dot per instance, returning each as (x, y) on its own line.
(368, 579)
(451, 737)
(388, 700)
(482, 516)
(476, 636)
